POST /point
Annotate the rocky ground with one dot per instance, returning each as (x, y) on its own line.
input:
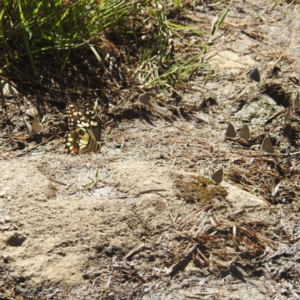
(139, 221)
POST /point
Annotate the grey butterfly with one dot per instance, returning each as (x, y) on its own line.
(202, 168)
(217, 177)
(35, 127)
(32, 112)
(7, 88)
(267, 145)
(274, 188)
(230, 131)
(254, 74)
(297, 101)
(245, 132)
(287, 115)
(145, 98)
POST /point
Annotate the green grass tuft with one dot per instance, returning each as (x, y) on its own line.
(138, 31)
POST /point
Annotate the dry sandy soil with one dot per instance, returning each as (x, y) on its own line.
(138, 221)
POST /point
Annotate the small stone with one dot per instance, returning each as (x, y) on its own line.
(7, 219)
(5, 228)
(2, 220)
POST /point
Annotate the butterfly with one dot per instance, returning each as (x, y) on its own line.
(274, 188)
(32, 112)
(35, 127)
(145, 98)
(202, 168)
(255, 75)
(297, 101)
(245, 132)
(267, 145)
(84, 135)
(217, 177)
(230, 131)
(287, 115)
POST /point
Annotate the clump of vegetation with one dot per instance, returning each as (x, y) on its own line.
(197, 189)
(96, 46)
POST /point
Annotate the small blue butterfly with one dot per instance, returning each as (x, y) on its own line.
(245, 132)
(254, 74)
(145, 98)
(274, 188)
(230, 131)
(217, 177)
(297, 101)
(267, 145)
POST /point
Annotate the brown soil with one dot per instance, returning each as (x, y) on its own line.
(138, 221)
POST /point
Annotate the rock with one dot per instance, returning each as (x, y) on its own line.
(7, 219)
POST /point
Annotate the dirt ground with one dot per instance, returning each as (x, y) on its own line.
(138, 221)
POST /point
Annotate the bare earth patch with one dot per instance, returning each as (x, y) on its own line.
(52, 234)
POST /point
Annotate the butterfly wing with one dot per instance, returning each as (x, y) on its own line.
(145, 98)
(32, 112)
(230, 131)
(255, 75)
(245, 132)
(94, 120)
(86, 142)
(217, 177)
(36, 127)
(85, 130)
(267, 145)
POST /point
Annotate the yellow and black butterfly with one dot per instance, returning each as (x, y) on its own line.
(84, 135)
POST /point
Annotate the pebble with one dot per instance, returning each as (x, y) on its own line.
(7, 219)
